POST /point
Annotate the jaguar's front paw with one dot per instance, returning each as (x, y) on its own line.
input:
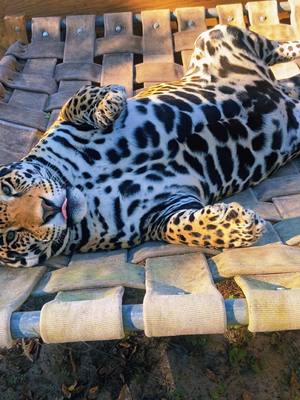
(230, 225)
(218, 226)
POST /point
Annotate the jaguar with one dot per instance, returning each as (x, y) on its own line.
(112, 171)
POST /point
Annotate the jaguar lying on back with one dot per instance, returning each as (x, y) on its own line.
(112, 172)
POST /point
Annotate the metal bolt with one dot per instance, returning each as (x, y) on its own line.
(118, 28)
(17, 29)
(156, 25)
(230, 18)
(262, 18)
(45, 34)
(79, 30)
(191, 23)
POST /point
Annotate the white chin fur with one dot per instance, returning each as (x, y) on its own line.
(77, 205)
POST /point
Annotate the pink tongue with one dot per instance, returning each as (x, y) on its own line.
(64, 209)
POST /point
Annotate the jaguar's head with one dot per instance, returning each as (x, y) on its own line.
(37, 211)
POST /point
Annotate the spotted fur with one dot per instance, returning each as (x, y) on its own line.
(96, 106)
(112, 172)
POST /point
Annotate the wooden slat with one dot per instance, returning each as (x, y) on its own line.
(231, 14)
(118, 68)
(191, 22)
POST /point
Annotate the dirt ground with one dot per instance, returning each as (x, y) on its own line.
(235, 366)
(239, 365)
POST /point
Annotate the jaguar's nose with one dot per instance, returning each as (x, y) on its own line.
(49, 210)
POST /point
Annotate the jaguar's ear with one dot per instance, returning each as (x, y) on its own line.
(96, 106)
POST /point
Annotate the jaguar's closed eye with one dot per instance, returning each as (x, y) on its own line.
(6, 189)
(10, 236)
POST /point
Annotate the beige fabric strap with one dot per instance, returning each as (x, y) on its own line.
(273, 301)
(185, 40)
(79, 71)
(140, 253)
(288, 206)
(148, 72)
(275, 187)
(15, 286)
(269, 259)
(10, 139)
(5, 336)
(57, 100)
(37, 50)
(92, 270)
(191, 22)
(263, 12)
(29, 82)
(24, 116)
(83, 315)
(288, 231)
(119, 44)
(181, 298)
(11, 22)
(117, 66)
(231, 14)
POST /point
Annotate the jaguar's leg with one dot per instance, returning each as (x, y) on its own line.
(215, 226)
(97, 106)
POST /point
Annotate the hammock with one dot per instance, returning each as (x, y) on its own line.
(181, 285)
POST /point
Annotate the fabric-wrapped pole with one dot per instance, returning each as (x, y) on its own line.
(181, 298)
(83, 315)
(15, 286)
(273, 301)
